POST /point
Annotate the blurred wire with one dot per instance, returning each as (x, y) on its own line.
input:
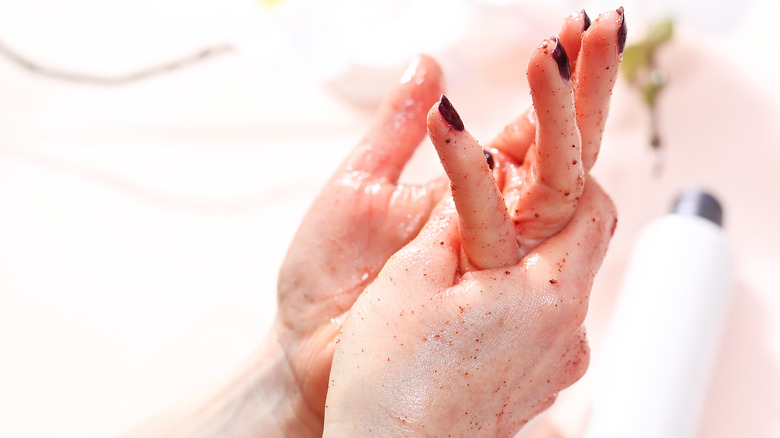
(121, 79)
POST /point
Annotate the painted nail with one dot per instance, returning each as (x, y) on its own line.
(585, 19)
(621, 36)
(489, 158)
(450, 115)
(559, 55)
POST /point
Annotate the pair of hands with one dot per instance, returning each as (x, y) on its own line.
(418, 315)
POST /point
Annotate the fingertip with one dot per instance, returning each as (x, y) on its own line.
(424, 70)
(423, 82)
(561, 58)
(571, 35)
(585, 20)
(607, 32)
(595, 78)
(437, 127)
(400, 124)
(419, 86)
(454, 145)
(548, 67)
(538, 61)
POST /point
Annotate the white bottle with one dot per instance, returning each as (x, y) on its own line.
(664, 337)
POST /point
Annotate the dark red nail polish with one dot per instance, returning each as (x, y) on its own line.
(586, 20)
(489, 158)
(450, 115)
(621, 36)
(559, 55)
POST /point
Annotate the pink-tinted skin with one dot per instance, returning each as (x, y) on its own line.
(597, 67)
(360, 218)
(487, 232)
(593, 84)
(541, 158)
(431, 350)
(426, 351)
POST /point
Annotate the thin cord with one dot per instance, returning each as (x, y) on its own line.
(121, 79)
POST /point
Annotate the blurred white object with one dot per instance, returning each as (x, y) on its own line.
(663, 340)
(714, 18)
(327, 38)
(358, 48)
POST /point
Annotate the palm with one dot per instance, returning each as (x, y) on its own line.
(349, 233)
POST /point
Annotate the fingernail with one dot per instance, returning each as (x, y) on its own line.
(586, 20)
(559, 55)
(489, 158)
(450, 115)
(621, 36)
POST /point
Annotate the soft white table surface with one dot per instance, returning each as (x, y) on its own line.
(141, 227)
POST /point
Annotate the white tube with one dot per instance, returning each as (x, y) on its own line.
(664, 337)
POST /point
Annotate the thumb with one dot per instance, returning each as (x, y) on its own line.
(431, 259)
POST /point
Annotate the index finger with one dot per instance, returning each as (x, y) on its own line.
(400, 125)
(487, 232)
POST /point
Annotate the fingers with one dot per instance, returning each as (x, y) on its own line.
(518, 136)
(567, 262)
(595, 77)
(571, 35)
(594, 58)
(400, 125)
(543, 194)
(487, 232)
(556, 155)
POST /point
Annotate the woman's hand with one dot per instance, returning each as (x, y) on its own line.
(428, 352)
(361, 217)
(465, 332)
(511, 322)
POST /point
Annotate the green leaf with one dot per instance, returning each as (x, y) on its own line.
(635, 58)
(660, 32)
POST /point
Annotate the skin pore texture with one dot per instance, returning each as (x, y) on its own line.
(414, 312)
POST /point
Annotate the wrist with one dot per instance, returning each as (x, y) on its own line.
(265, 395)
(261, 398)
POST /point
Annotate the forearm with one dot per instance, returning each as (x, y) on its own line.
(260, 399)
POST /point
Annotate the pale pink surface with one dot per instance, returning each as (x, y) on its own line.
(141, 228)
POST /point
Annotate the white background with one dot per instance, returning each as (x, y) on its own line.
(141, 227)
